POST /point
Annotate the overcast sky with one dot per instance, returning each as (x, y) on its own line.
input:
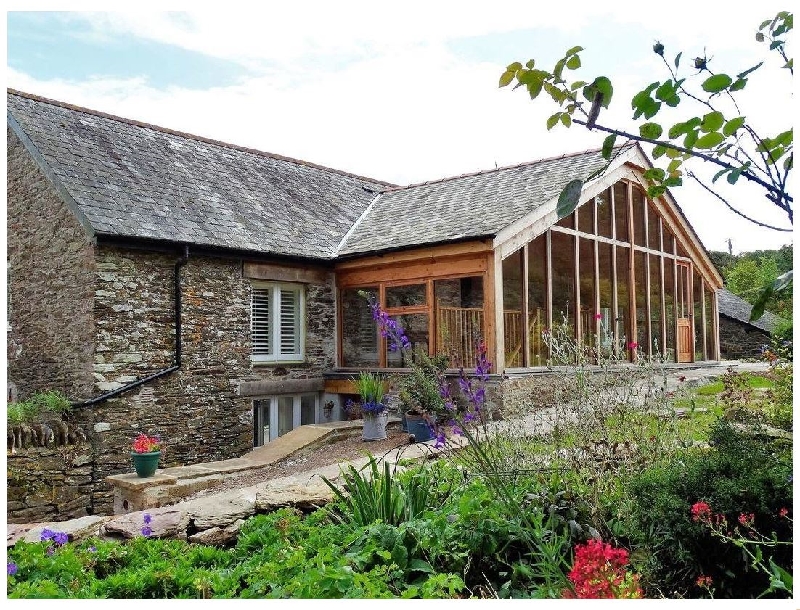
(403, 92)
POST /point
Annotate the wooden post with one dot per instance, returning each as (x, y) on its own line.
(525, 308)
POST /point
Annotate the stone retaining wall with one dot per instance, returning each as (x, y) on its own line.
(739, 340)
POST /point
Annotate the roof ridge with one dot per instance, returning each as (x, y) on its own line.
(190, 136)
(505, 167)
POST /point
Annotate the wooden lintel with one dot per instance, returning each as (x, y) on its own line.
(286, 273)
(430, 253)
(420, 270)
(340, 386)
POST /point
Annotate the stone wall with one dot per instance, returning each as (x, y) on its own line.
(49, 483)
(198, 410)
(50, 285)
(738, 340)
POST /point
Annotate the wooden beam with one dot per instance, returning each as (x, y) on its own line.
(286, 273)
(340, 386)
(462, 266)
(631, 270)
(706, 355)
(424, 253)
(525, 307)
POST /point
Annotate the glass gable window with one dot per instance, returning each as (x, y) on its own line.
(276, 322)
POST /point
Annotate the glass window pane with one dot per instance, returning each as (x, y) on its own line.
(415, 327)
(605, 219)
(605, 256)
(563, 270)
(638, 217)
(709, 300)
(567, 221)
(654, 228)
(261, 421)
(642, 331)
(586, 217)
(621, 210)
(308, 409)
(682, 251)
(667, 238)
(623, 304)
(406, 296)
(459, 319)
(359, 330)
(586, 278)
(656, 340)
(537, 300)
(697, 286)
(512, 308)
(285, 414)
(669, 306)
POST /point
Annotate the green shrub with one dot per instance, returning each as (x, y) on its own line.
(740, 473)
(41, 403)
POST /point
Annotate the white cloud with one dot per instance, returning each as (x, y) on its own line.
(406, 109)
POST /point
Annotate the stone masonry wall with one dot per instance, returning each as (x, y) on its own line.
(197, 410)
(50, 284)
(739, 340)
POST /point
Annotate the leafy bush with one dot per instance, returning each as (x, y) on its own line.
(740, 473)
(41, 403)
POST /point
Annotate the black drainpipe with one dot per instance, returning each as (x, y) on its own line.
(177, 361)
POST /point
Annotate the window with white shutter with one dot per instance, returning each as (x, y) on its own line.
(276, 322)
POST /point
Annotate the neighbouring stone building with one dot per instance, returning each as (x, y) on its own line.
(738, 336)
(208, 293)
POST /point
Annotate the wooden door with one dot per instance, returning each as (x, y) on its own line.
(683, 304)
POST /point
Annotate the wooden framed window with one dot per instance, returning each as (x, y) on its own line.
(277, 322)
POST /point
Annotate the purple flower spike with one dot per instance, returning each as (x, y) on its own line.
(47, 534)
(147, 518)
(146, 531)
(11, 568)
(92, 549)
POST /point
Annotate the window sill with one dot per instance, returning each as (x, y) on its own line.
(276, 363)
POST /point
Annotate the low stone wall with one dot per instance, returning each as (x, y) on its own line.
(739, 340)
(49, 483)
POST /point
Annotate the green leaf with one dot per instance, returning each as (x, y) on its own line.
(566, 120)
(551, 122)
(573, 50)
(760, 37)
(710, 140)
(659, 150)
(577, 85)
(678, 59)
(677, 129)
(608, 146)
(717, 83)
(420, 565)
(574, 62)
(530, 64)
(749, 70)
(513, 67)
(784, 138)
(674, 165)
(712, 122)
(734, 174)
(739, 84)
(604, 86)
(665, 91)
(506, 78)
(691, 138)
(654, 174)
(673, 181)
(535, 88)
(651, 130)
(559, 68)
(569, 197)
(732, 126)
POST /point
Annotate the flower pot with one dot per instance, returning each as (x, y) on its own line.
(145, 463)
(419, 428)
(375, 426)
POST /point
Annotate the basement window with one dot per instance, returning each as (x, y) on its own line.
(274, 416)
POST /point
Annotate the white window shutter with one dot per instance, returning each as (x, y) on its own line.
(261, 322)
(289, 341)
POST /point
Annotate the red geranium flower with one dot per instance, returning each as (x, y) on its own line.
(146, 444)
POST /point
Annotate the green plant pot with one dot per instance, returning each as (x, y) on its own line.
(145, 464)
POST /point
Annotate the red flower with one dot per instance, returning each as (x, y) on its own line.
(633, 345)
(597, 316)
(146, 444)
(747, 520)
(704, 581)
(783, 512)
(701, 512)
(599, 573)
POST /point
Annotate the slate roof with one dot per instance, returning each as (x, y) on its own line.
(735, 307)
(463, 207)
(131, 179)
